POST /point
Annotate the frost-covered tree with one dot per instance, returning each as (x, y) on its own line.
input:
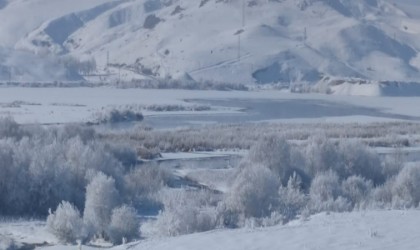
(274, 153)
(291, 199)
(358, 159)
(124, 224)
(325, 186)
(382, 195)
(344, 157)
(186, 212)
(254, 192)
(48, 175)
(10, 128)
(406, 188)
(357, 190)
(66, 224)
(325, 193)
(321, 154)
(143, 183)
(14, 195)
(393, 163)
(101, 198)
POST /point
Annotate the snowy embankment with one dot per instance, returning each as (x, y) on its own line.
(357, 230)
(361, 87)
(378, 89)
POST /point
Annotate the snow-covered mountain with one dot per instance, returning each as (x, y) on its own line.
(247, 41)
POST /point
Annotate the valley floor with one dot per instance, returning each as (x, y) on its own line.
(386, 229)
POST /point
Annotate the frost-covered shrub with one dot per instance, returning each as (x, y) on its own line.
(91, 158)
(186, 212)
(393, 163)
(357, 190)
(124, 154)
(148, 153)
(116, 116)
(325, 193)
(382, 195)
(66, 224)
(345, 157)
(358, 159)
(292, 200)
(325, 186)
(274, 153)
(321, 155)
(14, 197)
(254, 192)
(181, 84)
(406, 188)
(41, 166)
(124, 224)
(10, 128)
(85, 134)
(101, 198)
(144, 182)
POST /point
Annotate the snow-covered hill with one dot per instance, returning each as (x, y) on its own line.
(224, 40)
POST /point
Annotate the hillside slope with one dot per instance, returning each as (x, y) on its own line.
(224, 40)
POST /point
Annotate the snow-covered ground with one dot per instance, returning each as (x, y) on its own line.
(23, 231)
(363, 230)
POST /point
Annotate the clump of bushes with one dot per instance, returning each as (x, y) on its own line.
(117, 116)
(124, 224)
(186, 212)
(72, 169)
(334, 176)
(103, 217)
(66, 223)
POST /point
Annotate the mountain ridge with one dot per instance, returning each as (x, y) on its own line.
(225, 40)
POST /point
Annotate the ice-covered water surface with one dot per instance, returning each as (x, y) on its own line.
(258, 110)
(74, 105)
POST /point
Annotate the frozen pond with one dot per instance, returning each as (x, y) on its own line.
(74, 105)
(290, 110)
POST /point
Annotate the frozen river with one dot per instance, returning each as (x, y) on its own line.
(290, 110)
(73, 105)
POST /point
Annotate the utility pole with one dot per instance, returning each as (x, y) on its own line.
(243, 13)
(239, 47)
(119, 73)
(242, 30)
